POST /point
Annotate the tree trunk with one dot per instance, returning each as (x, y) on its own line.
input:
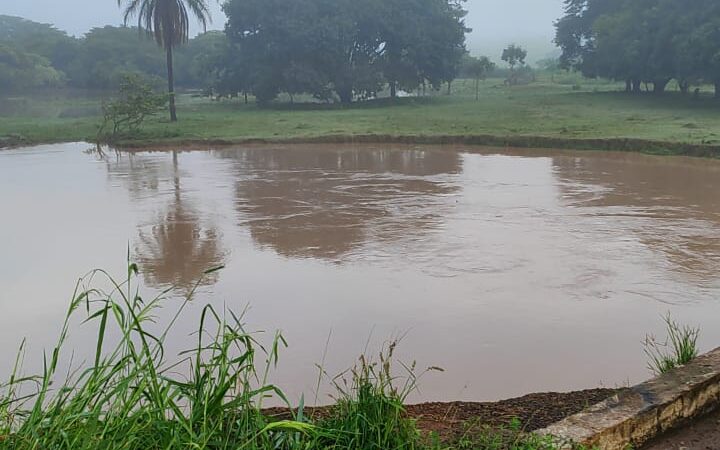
(660, 85)
(684, 86)
(449, 91)
(171, 83)
(393, 89)
(628, 86)
(246, 97)
(636, 86)
(477, 89)
(345, 95)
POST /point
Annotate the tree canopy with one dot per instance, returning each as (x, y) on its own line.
(36, 56)
(333, 50)
(21, 70)
(514, 55)
(477, 69)
(40, 39)
(343, 49)
(642, 41)
(32, 55)
(105, 55)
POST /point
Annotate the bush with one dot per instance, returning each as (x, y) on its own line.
(136, 101)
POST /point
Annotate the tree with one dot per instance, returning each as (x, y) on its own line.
(106, 55)
(443, 45)
(422, 41)
(514, 55)
(642, 41)
(697, 47)
(477, 69)
(22, 71)
(195, 62)
(168, 22)
(25, 36)
(345, 49)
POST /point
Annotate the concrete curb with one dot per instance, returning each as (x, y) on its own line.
(641, 413)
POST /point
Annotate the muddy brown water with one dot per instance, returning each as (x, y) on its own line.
(514, 270)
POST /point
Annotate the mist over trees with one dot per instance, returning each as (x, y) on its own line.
(32, 55)
(345, 50)
(643, 41)
(332, 50)
(36, 56)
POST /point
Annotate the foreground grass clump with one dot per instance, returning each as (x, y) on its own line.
(369, 412)
(679, 348)
(129, 399)
(131, 396)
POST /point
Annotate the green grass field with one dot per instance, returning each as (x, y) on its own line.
(582, 109)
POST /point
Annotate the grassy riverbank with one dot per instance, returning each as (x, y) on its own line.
(543, 114)
(132, 395)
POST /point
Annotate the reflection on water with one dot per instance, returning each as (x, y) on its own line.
(327, 203)
(496, 263)
(177, 249)
(175, 246)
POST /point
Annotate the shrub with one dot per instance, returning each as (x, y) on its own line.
(136, 101)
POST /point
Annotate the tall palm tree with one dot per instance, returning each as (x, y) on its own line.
(167, 21)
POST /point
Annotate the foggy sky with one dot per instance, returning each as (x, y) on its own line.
(495, 23)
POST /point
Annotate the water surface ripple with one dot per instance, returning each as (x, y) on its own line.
(514, 270)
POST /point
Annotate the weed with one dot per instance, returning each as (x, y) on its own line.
(370, 411)
(131, 397)
(679, 348)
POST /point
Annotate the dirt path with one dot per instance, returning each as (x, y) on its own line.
(703, 434)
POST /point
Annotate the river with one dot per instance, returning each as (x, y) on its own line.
(513, 270)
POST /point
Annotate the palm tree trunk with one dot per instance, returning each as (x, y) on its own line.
(171, 83)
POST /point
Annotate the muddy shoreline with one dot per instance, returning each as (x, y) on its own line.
(520, 141)
(449, 420)
(608, 144)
